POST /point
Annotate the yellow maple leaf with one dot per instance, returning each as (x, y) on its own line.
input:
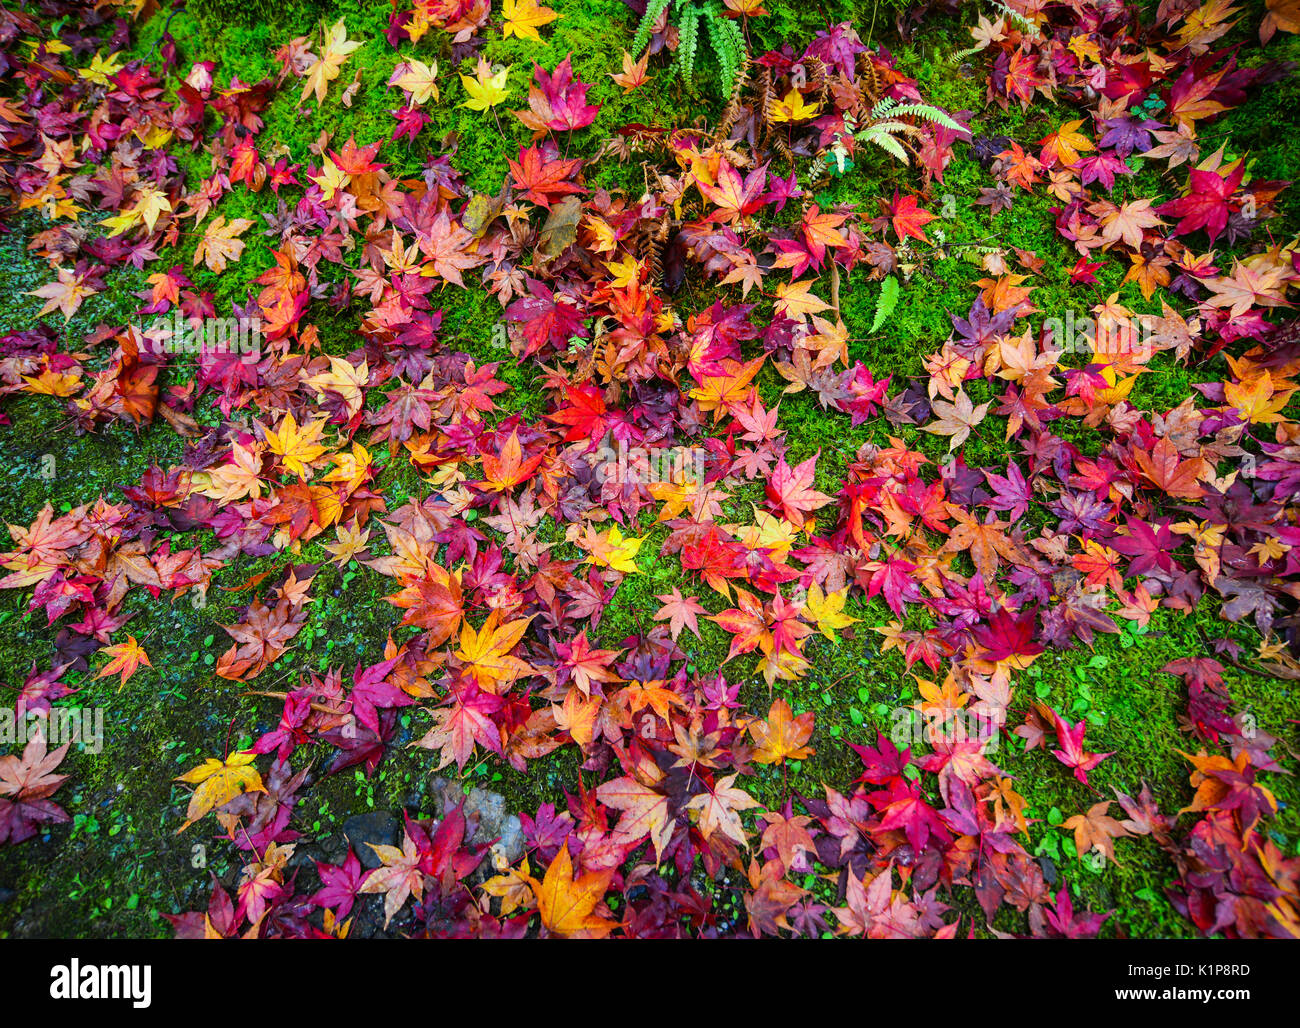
(351, 469)
(1066, 144)
(344, 378)
(1082, 47)
(794, 300)
(624, 272)
(1117, 388)
(487, 652)
(53, 383)
(487, 88)
(567, 905)
(792, 108)
(220, 782)
(827, 611)
(298, 446)
(782, 736)
(524, 17)
(512, 888)
(326, 68)
(1257, 399)
(418, 79)
(149, 204)
(331, 179)
(616, 552)
(101, 69)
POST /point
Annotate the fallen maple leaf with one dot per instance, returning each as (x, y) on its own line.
(782, 736)
(127, 658)
(326, 68)
(792, 490)
(66, 293)
(417, 79)
(221, 243)
(907, 217)
(400, 877)
(956, 419)
(719, 808)
(633, 75)
(1096, 828)
(826, 611)
(1071, 752)
(557, 100)
(299, 447)
(567, 905)
(26, 783)
(219, 782)
(680, 612)
(486, 653)
(523, 18)
(487, 88)
(644, 812)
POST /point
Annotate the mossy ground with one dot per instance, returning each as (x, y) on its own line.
(120, 865)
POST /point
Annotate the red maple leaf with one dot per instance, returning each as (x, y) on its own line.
(557, 101)
(1206, 204)
(585, 413)
(1072, 754)
(543, 178)
(792, 489)
(906, 216)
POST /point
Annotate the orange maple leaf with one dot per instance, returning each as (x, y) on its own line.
(127, 658)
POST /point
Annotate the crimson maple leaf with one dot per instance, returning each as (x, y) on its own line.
(542, 177)
(735, 197)
(792, 489)
(906, 216)
(557, 101)
(1206, 204)
(371, 690)
(1008, 637)
(1072, 754)
(585, 413)
(904, 806)
(26, 783)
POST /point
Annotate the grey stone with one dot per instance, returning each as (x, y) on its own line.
(511, 844)
(377, 828)
(306, 855)
(485, 811)
(486, 820)
(446, 795)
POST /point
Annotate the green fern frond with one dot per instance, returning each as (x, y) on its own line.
(1019, 20)
(653, 9)
(728, 46)
(886, 142)
(885, 124)
(957, 56)
(722, 35)
(885, 303)
(926, 113)
(688, 45)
